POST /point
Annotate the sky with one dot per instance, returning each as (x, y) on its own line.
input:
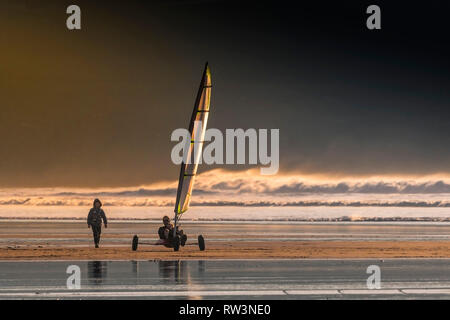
(95, 107)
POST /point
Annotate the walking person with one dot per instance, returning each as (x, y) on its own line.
(94, 220)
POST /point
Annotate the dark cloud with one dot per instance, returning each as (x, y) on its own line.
(252, 193)
(14, 201)
(96, 107)
(400, 187)
(261, 187)
(413, 204)
(141, 192)
(222, 203)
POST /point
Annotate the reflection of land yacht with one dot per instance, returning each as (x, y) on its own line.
(174, 271)
(197, 128)
(179, 272)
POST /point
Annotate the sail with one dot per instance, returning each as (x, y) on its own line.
(197, 128)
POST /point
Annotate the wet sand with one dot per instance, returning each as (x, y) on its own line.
(47, 240)
(227, 279)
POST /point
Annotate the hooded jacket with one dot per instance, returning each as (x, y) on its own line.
(96, 216)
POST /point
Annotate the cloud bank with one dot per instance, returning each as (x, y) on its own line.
(249, 189)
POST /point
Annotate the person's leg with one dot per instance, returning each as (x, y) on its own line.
(96, 231)
(99, 231)
(183, 237)
(94, 234)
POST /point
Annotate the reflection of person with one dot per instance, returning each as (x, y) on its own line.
(166, 232)
(97, 271)
(94, 220)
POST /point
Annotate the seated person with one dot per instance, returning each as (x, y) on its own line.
(166, 232)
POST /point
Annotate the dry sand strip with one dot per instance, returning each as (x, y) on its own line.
(241, 249)
(50, 240)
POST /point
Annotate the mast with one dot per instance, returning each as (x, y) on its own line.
(197, 128)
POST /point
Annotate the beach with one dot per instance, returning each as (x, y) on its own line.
(72, 240)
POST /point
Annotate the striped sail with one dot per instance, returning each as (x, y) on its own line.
(197, 128)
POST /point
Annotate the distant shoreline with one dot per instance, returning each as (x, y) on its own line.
(394, 221)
